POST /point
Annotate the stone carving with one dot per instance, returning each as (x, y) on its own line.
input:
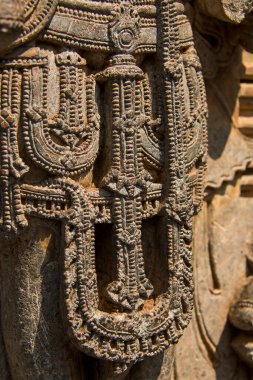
(241, 317)
(59, 115)
(223, 230)
(22, 20)
(227, 10)
(240, 314)
(103, 156)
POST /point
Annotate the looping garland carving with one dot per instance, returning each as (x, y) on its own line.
(146, 135)
(77, 129)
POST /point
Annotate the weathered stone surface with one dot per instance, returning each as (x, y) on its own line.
(227, 10)
(223, 231)
(103, 157)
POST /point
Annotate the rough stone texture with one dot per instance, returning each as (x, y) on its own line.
(103, 156)
(227, 10)
(220, 334)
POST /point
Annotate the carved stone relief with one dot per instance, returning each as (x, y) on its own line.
(103, 156)
(220, 333)
(110, 148)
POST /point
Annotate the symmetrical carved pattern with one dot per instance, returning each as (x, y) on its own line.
(145, 129)
(76, 130)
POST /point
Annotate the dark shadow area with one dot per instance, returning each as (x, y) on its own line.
(105, 261)
(155, 253)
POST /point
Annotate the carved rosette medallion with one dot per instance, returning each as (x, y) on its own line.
(151, 126)
(124, 28)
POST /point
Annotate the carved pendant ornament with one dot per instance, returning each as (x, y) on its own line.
(136, 124)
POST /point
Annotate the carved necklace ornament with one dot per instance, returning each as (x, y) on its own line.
(151, 130)
(68, 142)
